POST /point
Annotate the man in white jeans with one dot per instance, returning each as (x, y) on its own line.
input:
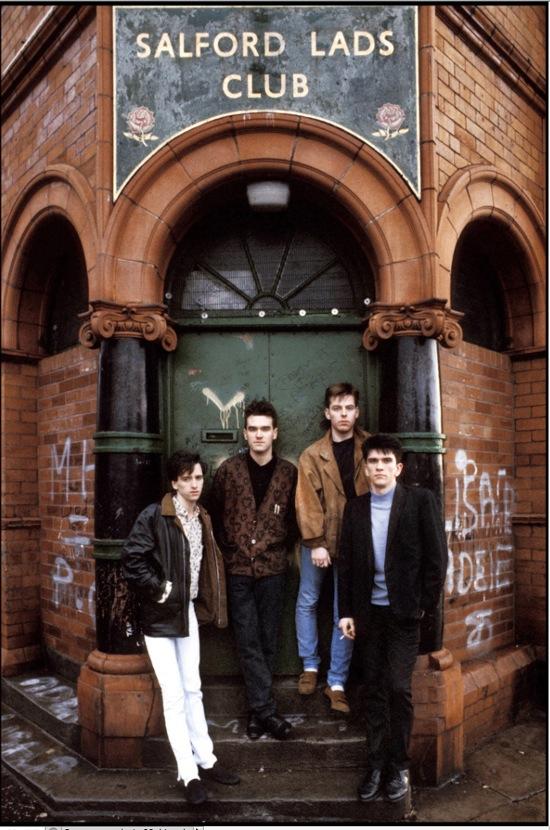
(172, 562)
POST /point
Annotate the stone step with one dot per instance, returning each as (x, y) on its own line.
(315, 742)
(75, 791)
(227, 696)
(47, 700)
(50, 702)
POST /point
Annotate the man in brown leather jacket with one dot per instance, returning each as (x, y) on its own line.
(329, 473)
(252, 505)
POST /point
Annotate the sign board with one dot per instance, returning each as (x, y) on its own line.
(355, 66)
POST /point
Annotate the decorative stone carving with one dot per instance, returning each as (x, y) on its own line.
(106, 320)
(429, 318)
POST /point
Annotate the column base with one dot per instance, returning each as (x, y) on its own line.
(119, 703)
(437, 745)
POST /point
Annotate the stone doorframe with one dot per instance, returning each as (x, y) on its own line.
(152, 212)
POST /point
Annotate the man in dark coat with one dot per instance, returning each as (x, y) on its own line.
(171, 560)
(252, 505)
(393, 560)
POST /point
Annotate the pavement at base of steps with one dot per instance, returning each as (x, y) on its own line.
(504, 782)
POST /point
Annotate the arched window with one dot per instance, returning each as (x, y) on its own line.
(237, 263)
(55, 287)
(483, 263)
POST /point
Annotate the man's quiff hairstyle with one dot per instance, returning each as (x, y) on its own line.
(183, 463)
(336, 390)
(385, 443)
(260, 407)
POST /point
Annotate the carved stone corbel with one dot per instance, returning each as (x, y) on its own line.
(106, 320)
(429, 318)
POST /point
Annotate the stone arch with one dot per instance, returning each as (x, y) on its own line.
(482, 193)
(151, 213)
(62, 192)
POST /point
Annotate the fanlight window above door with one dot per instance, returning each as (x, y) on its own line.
(277, 263)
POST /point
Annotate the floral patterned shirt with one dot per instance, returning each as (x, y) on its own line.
(193, 530)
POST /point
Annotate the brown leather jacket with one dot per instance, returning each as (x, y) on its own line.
(253, 542)
(320, 497)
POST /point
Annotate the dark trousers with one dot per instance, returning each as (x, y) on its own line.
(256, 610)
(390, 652)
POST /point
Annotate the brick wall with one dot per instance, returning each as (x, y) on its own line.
(67, 417)
(494, 689)
(20, 522)
(56, 122)
(530, 536)
(525, 25)
(17, 24)
(480, 118)
(477, 391)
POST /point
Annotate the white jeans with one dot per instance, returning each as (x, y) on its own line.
(176, 664)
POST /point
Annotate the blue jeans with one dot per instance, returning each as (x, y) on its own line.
(311, 580)
(256, 610)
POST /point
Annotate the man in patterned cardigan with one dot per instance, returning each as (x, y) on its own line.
(252, 506)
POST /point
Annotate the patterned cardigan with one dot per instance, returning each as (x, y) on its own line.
(254, 542)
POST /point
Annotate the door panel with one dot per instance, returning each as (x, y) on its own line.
(214, 374)
(302, 365)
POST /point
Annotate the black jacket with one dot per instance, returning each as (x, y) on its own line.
(157, 550)
(416, 556)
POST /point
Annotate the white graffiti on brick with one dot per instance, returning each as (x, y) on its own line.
(65, 592)
(496, 500)
(482, 627)
(76, 539)
(483, 570)
(61, 467)
(72, 469)
(480, 548)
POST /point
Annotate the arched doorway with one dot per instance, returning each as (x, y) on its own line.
(268, 305)
(490, 285)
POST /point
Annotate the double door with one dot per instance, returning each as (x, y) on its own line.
(212, 376)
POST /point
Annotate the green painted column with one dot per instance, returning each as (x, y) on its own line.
(410, 407)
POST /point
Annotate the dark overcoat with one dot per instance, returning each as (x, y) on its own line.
(416, 556)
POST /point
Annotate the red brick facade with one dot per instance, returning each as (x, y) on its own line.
(483, 110)
(480, 499)
(20, 519)
(531, 478)
(67, 407)
(482, 119)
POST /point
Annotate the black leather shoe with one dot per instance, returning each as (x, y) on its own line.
(195, 792)
(219, 774)
(398, 784)
(371, 786)
(254, 728)
(277, 726)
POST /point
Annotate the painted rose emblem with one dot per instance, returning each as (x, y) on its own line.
(390, 117)
(140, 122)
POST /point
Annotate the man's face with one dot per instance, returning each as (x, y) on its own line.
(382, 470)
(342, 413)
(260, 434)
(189, 485)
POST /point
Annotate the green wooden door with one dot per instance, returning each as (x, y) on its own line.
(212, 375)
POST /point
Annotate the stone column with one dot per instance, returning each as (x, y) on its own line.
(406, 338)
(119, 700)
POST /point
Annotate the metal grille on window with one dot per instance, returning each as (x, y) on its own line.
(269, 263)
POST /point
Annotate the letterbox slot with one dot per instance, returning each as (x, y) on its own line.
(219, 436)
